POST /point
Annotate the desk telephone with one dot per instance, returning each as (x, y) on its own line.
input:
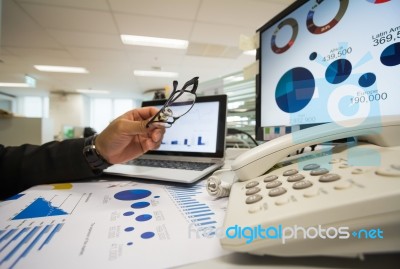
(340, 201)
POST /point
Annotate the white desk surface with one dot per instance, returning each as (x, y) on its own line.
(243, 260)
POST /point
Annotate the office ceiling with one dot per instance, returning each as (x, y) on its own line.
(87, 33)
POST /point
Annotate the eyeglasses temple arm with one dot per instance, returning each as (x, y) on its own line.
(194, 81)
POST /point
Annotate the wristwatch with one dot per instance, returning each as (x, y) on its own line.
(93, 157)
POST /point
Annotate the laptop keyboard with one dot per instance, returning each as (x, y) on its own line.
(196, 166)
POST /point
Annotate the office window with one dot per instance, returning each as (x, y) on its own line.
(33, 106)
(104, 110)
(121, 106)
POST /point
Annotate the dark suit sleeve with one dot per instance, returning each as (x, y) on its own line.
(28, 165)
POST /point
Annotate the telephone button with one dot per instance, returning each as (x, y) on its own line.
(358, 171)
(319, 171)
(270, 178)
(302, 185)
(253, 199)
(277, 191)
(391, 171)
(311, 166)
(252, 191)
(343, 185)
(290, 172)
(282, 201)
(311, 193)
(329, 177)
(273, 184)
(395, 166)
(294, 178)
(251, 184)
(255, 209)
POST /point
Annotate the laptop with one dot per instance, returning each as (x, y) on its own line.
(192, 148)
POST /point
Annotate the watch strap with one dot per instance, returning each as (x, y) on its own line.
(92, 156)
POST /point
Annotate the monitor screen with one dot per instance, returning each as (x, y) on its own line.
(195, 131)
(324, 61)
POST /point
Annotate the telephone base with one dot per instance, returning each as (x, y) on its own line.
(339, 202)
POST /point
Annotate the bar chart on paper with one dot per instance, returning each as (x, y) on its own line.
(17, 243)
(196, 211)
(34, 226)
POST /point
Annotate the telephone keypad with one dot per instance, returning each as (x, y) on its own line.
(298, 181)
(306, 184)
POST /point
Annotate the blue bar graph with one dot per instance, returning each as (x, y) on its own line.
(195, 140)
(195, 211)
(199, 141)
(24, 240)
(7, 235)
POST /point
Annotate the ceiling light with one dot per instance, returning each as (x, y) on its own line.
(14, 85)
(233, 79)
(154, 42)
(160, 74)
(61, 69)
(92, 91)
(250, 52)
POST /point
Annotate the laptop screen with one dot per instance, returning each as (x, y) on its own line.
(201, 132)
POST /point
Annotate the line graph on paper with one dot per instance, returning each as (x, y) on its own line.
(56, 205)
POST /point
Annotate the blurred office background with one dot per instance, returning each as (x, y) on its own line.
(88, 34)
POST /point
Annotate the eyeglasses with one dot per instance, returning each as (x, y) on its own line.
(178, 104)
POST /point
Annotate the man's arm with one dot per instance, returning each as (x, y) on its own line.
(28, 165)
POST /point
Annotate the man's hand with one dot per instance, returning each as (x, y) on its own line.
(127, 137)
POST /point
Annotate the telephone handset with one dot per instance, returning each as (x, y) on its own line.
(380, 131)
(338, 201)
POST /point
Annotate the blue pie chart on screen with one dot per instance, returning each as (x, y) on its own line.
(391, 55)
(295, 90)
(367, 80)
(338, 71)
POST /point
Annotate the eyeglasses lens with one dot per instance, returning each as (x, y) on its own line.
(181, 103)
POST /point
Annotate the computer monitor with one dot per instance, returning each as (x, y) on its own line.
(324, 61)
